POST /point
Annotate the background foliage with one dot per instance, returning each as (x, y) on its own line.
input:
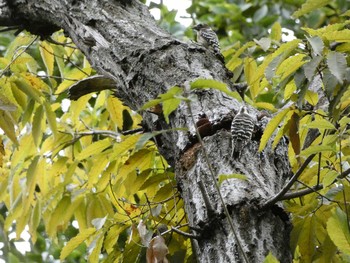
(70, 172)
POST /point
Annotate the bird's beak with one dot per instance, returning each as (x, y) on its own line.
(195, 27)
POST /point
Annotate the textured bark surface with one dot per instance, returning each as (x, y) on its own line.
(122, 41)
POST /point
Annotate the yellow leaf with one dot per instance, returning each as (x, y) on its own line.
(15, 212)
(234, 63)
(31, 182)
(290, 65)
(284, 49)
(276, 32)
(303, 235)
(35, 220)
(115, 108)
(76, 241)
(37, 120)
(51, 118)
(289, 89)
(100, 162)
(338, 230)
(77, 107)
(56, 219)
(18, 44)
(25, 151)
(283, 129)
(112, 236)
(7, 124)
(127, 144)
(47, 55)
(98, 242)
(25, 86)
(309, 6)
(94, 148)
(36, 83)
(250, 68)
(339, 36)
(80, 216)
(75, 74)
(271, 127)
(265, 105)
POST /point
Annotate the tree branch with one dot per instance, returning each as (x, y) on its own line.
(301, 193)
(285, 189)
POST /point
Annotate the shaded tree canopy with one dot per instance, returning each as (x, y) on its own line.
(116, 140)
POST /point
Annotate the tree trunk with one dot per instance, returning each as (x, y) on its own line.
(123, 42)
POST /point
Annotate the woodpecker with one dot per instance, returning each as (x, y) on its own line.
(242, 129)
(208, 38)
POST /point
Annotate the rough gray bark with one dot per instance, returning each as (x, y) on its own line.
(122, 41)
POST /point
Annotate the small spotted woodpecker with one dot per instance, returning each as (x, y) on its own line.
(242, 129)
(208, 38)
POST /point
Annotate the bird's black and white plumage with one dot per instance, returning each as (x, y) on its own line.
(208, 38)
(242, 130)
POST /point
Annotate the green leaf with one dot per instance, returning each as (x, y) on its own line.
(171, 94)
(311, 66)
(270, 258)
(310, 6)
(329, 178)
(76, 241)
(338, 230)
(223, 177)
(320, 124)
(337, 65)
(271, 127)
(169, 106)
(214, 84)
(344, 121)
(317, 149)
(316, 44)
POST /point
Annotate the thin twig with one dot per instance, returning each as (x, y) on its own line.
(285, 189)
(185, 234)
